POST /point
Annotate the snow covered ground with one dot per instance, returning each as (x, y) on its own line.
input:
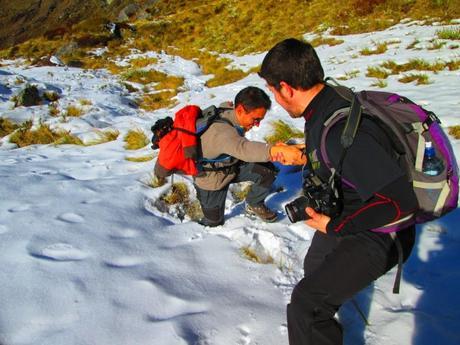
(87, 259)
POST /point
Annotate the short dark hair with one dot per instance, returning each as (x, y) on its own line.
(252, 97)
(294, 62)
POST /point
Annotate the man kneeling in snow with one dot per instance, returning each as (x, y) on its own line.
(228, 157)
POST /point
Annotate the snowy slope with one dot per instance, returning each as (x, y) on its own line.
(88, 259)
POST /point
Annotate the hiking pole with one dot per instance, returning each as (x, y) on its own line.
(360, 312)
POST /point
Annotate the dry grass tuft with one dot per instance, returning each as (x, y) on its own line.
(74, 111)
(136, 139)
(25, 136)
(252, 255)
(6, 127)
(321, 40)
(158, 100)
(449, 34)
(380, 83)
(419, 78)
(240, 191)
(377, 72)
(177, 200)
(455, 131)
(282, 132)
(380, 48)
(105, 136)
(140, 159)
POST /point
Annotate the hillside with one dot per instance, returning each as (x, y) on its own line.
(220, 25)
(89, 255)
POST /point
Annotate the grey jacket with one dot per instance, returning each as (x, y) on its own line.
(222, 138)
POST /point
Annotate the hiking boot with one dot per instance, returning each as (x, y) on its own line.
(206, 222)
(262, 212)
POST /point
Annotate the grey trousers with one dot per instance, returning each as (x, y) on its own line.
(213, 201)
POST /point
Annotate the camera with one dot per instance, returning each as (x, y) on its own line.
(160, 129)
(322, 197)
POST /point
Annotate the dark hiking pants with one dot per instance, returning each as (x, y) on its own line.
(335, 270)
(213, 201)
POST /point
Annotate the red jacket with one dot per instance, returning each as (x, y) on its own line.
(178, 149)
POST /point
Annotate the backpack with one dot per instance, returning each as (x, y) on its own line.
(408, 126)
(179, 141)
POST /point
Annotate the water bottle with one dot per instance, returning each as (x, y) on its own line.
(432, 165)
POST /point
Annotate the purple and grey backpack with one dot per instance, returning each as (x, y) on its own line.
(409, 126)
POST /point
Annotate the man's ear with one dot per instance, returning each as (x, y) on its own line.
(239, 110)
(286, 90)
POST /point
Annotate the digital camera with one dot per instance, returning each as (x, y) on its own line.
(322, 197)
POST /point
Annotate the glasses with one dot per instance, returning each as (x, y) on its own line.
(257, 120)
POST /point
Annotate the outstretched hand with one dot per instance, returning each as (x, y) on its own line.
(288, 154)
(317, 220)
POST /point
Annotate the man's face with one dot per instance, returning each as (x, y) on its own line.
(283, 97)
(249, 119)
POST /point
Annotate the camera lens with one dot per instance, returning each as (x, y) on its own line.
(295, 210)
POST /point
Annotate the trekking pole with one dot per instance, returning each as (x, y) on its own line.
(360, 312)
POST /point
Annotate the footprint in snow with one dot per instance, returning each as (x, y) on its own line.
(59, 252)
(19, 208)
(245, 335)
(8, 161)
(3, 229)
(125, 262)
(71, 218)
(124, 233)
(155, 303)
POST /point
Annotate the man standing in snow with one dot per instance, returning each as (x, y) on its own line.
(345, 255)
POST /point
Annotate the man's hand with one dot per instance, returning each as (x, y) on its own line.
(317, 220)
(287, 155)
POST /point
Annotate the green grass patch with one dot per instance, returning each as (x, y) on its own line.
(282, 132)
(449, 34)
(136, 139)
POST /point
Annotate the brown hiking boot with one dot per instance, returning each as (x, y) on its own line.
(262, 212)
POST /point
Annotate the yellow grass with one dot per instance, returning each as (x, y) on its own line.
(140, 159)
(6, 127)
(136, 139)
(25, 136)
(455, 131)
(282, 132)
(74, 111)
(104, 137)
(252, 255)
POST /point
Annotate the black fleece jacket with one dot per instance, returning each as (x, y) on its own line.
(381, 192)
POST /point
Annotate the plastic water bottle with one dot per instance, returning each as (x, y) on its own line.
(432, 165)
